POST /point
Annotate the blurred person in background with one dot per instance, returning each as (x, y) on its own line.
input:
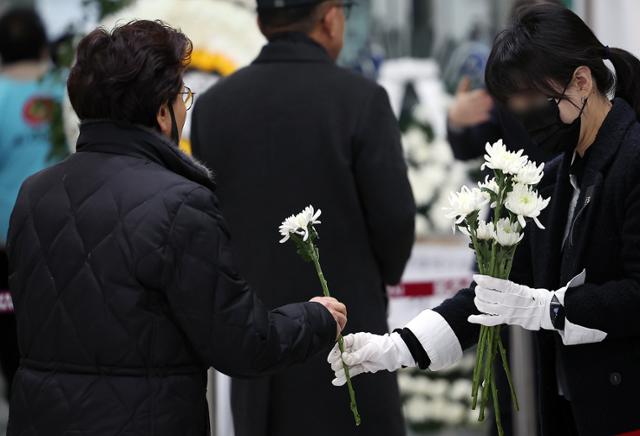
(474, 118)
(292, 129)
(124, 285)
(29, 93)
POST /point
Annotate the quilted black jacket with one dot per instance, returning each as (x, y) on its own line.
(125, 292)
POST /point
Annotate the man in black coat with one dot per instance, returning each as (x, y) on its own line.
(290, 130)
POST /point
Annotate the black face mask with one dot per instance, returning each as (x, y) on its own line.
(546, 129)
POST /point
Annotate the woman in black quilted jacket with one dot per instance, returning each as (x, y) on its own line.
(123, 284)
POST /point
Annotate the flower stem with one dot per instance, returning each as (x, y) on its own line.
(495, 261)
(496, 405)
(478, 367)
(315, 256)
(505, 365)
(488, 369)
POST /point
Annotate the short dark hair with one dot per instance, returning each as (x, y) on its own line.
(291, 19)
(127, 74)
(22, 36)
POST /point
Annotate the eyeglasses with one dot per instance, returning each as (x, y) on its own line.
(187, 97)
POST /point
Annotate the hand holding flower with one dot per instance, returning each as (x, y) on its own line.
(300, 229)
(337, 310)
(512, 197)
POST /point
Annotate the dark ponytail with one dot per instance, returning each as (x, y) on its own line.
(542, 49)
(627, 68)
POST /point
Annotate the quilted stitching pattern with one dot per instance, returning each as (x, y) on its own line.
(125, 293)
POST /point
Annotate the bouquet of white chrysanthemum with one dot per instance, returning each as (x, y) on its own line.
(512, 197)
(300, 229)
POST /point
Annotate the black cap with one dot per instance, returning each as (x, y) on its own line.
(282, 4)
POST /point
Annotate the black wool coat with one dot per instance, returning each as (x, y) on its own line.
(125, 292)
(290, 130)
(602, 380)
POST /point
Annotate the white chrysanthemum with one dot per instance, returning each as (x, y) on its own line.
(299, 224)
(417, 409)
(441, 152)
(416, 145)
(485, 230)
(507, 233)
(223, 29)
(423, 227)
(425, 182)
(530, 174)
(217, 27)
(525, 203)
(491, 185)
(465, 202)
(441, 224)
(498, 158)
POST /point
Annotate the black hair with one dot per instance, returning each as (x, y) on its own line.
(519, 5)
(127, 74)
(300, 18)
(543, 47)
(22, 36)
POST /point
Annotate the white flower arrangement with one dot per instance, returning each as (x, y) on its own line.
(214, 26)
(433, 171)
(435, 400)
(224, 34)
(513, 199)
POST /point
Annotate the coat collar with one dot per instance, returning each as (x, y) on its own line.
(292, 47)
(560, 264)
(608, 140)
(107, 136)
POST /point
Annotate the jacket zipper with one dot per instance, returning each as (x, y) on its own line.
(575, 219)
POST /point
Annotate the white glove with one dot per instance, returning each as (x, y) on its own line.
(505, 302)
(365, 352)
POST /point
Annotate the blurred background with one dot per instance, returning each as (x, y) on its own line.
(426, 53)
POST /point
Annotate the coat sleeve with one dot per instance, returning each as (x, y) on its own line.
(444, 331)
(221, 316)
(383, 185)
(469, 143)
(613, 307)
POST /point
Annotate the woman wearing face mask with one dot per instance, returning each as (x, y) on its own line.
(577, 283)
(121, 275)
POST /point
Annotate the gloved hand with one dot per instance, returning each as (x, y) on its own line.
(366, 352)
(505, 302)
